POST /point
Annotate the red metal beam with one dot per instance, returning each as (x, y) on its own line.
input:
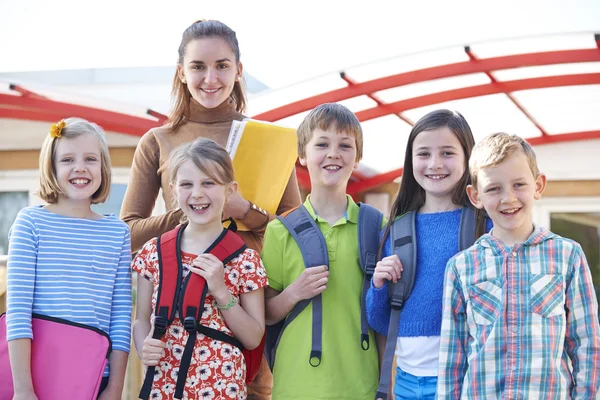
(25, 92)
(564, 137)
(52, 117)
(473, 58)
(480, 90)
(374, 181)
(374, 97)
(160, 117)
(123, 123)
(426, 74)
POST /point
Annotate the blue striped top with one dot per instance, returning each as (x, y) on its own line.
(72, 268)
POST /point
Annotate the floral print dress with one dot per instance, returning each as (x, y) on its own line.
(217, 369)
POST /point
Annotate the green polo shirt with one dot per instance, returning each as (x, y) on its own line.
(346, 371)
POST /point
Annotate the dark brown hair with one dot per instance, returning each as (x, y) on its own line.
(181, 95)
(411, 196)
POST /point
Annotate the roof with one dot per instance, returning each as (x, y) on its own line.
(546, 89)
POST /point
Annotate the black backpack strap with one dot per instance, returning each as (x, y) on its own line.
(369, 226)
(403, 239)
(191, 308)
(313, 248)
(170, 273)
(466, 236)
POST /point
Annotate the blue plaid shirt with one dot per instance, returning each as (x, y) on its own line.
(519, 322)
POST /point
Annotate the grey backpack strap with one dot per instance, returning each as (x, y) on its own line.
(466, 236)
(404, 243)
(369, 226)
(313, 248)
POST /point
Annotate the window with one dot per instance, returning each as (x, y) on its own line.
(112, 205)
(10, 204)
(584, 228)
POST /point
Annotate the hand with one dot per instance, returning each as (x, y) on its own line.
(152, 350)
(310, 283)
(388, 269)
(236, 206)
(28, 395)
(211, 269)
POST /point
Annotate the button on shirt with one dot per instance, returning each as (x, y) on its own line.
(517, 320)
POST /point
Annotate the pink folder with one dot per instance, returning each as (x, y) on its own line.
(67, 359)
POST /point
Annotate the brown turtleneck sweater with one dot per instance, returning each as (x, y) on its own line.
(148, 175)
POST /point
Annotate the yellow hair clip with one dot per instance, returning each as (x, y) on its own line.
(56, 129)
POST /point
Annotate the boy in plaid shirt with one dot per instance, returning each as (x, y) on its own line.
(520, 318)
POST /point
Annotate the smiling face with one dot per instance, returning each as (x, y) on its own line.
(507, 192)
(330, 157)
(78, 166)
(438, 162)
(199, 196)
(210, 70)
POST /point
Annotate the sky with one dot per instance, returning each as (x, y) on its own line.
(282, 42)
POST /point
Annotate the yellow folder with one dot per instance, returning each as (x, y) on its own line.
(264, 155)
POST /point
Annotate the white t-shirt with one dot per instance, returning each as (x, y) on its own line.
(418, 355)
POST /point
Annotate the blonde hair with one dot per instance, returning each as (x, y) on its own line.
(326, 116)
(180, 93)
(496, 148)
(49, 188)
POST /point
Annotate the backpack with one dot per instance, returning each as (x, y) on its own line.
(313, 248)
(58, 369)
(187, 296)
(404, 242)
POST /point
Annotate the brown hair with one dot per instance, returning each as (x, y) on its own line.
(496, 148)
(211, 158)
(49, 188)
(411, 196)
(181, 96)
(330, 115)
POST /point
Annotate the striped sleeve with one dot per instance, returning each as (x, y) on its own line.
(21, 270)
(454, 337)
(121, 307)
(582, 338)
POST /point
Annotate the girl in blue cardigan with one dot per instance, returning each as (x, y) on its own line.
(434, 185)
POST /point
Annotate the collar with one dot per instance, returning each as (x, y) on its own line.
(538, 236)
(351, 214)
(223, 112)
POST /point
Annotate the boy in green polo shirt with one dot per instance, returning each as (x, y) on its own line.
(330, 147)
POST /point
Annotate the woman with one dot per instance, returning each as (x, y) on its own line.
(208, 96)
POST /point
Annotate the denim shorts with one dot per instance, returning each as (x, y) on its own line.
(408, 386)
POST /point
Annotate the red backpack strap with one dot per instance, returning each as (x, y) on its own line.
(226, 247)
(170, 273)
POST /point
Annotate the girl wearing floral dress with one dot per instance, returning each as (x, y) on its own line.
(201, 176)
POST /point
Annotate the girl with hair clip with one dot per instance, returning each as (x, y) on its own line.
(434, 186)
(202, 182)
(65, 260)
(208, 95)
